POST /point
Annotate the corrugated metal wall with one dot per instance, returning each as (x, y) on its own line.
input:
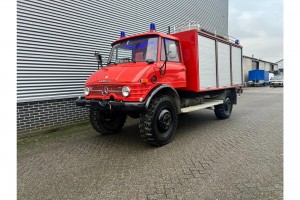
(56, 39)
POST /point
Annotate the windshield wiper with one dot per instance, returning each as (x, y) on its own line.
(126, 60)
(149, 61)
(111, 62)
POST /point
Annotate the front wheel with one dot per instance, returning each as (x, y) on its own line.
(159, 122)
(107, 123)
(224, 110)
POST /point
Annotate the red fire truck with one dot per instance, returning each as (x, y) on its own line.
(155, 76)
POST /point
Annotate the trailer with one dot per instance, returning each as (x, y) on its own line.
(155, 77)
(258, 78)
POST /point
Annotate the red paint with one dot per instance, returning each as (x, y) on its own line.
(120, 73)
(174, 76)
(189, 46)
(182, 75)
(146, 34)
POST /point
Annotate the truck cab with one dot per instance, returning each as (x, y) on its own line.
(136, 65)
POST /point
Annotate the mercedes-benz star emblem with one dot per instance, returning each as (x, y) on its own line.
(105, 90)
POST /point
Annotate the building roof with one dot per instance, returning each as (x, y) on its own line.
(256, 59)
(279, 61)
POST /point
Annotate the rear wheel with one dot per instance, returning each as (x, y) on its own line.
(224, 110)
(107, 123)
(159, 122)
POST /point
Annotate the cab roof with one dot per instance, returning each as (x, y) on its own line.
(150, 33)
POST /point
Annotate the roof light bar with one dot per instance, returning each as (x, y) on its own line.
(122, 34)
(152, 27)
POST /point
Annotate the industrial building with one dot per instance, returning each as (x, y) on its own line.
(251, 63)
(280, 64)
(56, 41)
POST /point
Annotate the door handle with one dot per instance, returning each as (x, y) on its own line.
(183, 69)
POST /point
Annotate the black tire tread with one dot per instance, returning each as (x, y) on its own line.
(147, 118)
(98, 126)
(220, 113)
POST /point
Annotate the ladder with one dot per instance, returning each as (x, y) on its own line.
(196, 25)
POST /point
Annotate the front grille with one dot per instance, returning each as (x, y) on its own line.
(106, 90)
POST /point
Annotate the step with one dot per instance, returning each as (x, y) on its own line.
(207, 104)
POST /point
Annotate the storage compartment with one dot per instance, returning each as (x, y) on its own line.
(224, 65)
(207, 63)
(236, 56)
(211, 62)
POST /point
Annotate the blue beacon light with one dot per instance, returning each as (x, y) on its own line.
(122, 34)
(152, 27)
(237, 42)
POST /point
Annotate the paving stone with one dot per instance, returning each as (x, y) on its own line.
(237, 158)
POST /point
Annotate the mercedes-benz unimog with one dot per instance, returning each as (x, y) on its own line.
(155, 77)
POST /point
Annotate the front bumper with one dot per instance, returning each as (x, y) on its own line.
(276, 84)
(110, 105)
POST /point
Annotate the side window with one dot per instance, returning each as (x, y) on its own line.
(168, 43)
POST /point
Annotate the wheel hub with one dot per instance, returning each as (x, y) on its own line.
(164, 120)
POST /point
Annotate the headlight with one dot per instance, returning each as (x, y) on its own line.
(125, 91)
(86, 91)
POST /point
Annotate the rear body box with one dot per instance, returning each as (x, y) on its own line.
(211, 63)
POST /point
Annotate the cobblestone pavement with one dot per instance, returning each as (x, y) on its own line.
(237, 158)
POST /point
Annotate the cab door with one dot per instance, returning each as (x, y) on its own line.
(174, 73)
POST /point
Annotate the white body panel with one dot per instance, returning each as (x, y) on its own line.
(236, 56)
(224, 64)
(207, 63)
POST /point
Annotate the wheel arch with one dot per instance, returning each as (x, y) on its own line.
(231, 93)
(166, 90)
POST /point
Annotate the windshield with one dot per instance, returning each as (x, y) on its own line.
(277, 78)
(134, 50)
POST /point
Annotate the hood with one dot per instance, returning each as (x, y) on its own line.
(122, 73)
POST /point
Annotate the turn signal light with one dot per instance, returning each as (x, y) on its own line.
(144, 80)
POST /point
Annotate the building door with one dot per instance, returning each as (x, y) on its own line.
(255, 65)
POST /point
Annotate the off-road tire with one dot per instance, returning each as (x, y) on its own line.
(159, 122)
(224, 110)
(134, 115)
(107, 123)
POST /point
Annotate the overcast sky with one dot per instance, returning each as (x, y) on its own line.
(258, 24)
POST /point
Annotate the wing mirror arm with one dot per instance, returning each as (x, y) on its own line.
(98, 58)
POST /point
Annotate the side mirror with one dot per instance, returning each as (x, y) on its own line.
(172, 51)
(98, 58)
